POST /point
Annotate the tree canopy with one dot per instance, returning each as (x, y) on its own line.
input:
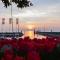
(19, 3)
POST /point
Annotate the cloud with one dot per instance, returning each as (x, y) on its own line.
(38, 12)
(30, 13)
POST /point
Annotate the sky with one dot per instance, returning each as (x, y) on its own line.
(44, 14)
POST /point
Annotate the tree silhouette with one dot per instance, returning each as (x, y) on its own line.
(19, 3)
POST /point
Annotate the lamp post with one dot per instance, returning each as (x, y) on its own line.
(3, 22)
(11, 18)
(17, 22)
(11, 15)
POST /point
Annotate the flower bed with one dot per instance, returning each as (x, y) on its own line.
(30, 49)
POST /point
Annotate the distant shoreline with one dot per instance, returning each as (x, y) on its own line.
(11, 34)
(51, 34)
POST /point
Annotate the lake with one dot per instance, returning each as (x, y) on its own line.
(32, 35)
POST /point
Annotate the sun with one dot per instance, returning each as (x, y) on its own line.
(30, 27)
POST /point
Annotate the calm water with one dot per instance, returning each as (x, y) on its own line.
(32, 35)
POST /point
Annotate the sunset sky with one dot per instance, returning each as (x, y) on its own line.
(44, 14)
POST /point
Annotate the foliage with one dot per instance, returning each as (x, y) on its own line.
(19, 3)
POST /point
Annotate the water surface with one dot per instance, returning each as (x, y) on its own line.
(32, 35)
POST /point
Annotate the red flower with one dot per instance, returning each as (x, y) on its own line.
(50, 46)
(2, 59)
(19, 58)
(9, 57)
(32, 55)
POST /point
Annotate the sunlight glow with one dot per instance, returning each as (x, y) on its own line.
(30, 34)
(30, 26)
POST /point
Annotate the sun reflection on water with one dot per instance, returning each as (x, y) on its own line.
(29, 33)
(32, 35)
